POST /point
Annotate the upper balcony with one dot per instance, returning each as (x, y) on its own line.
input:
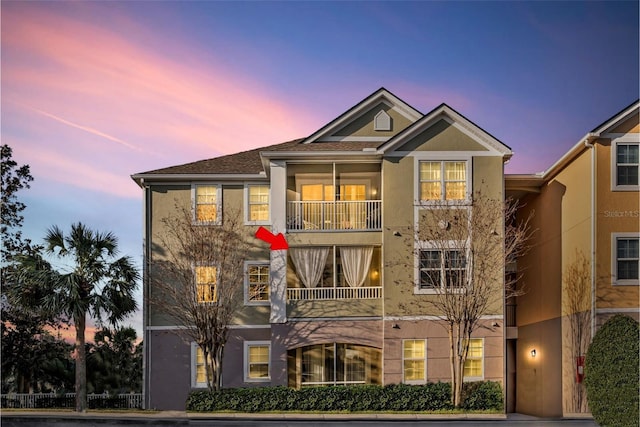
(333, 197)
(356, 215)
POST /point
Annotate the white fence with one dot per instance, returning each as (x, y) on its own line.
(67, 400)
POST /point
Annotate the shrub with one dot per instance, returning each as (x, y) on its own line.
(612, 375)
(395, 397)
(482, 395)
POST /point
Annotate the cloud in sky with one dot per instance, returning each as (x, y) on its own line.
(135, 105)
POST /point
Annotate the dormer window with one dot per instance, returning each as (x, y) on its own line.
(382, 121)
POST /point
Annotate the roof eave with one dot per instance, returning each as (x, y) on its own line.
(140, 179)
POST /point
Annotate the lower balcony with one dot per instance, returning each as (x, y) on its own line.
(323, 294)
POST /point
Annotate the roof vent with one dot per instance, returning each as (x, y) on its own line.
(382, 121)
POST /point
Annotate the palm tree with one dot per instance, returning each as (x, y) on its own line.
(99, 284)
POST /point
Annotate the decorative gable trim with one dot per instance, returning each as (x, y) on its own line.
(380, 96)
(444, 112)
(382, 121)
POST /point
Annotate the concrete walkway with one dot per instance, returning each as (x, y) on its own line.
(128, 414)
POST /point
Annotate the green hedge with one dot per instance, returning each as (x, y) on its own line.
(612, 373)
(479, 396)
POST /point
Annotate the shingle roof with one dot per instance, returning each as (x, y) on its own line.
(249, 162)
(245, 162)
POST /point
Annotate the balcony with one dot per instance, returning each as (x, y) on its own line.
(324, 294)
(361, 215)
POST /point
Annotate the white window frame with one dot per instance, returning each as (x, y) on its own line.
(423, 380)
(623, 140)
(247, 201)
(195, 279)
(480, 378)
(442, 159)
(444, 246)
(194, 205)
(247, 345)
(194, 368)
(614, 259)
(248, 264)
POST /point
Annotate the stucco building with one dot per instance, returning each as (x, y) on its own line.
(350, 303)
(583, 266)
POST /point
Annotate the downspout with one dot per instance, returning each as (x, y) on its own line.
(146, 334)
(588, 142)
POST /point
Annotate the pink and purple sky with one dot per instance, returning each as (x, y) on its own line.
(93, 92)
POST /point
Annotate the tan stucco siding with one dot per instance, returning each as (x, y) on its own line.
(398, 269)
(538, 390)
(164, 200)
(351, 238)
(617, 212)
(364, 125)
(488, 177)
(438, 363)
(441, 136)
(334, 308)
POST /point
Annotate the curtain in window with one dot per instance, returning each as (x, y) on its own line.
(309, 263)
(355, 264)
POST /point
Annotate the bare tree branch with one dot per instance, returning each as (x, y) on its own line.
(198, 282)
(462, 252)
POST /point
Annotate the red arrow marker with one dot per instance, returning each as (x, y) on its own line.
(277, 242)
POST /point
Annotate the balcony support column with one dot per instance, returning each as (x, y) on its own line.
(278, 270)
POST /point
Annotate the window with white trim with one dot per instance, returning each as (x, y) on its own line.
(474, 365)
(445, 180)
(625, 259)
(257, 203)
(257, 283)
(198, 367)
(206, 203)
(414, 361)
(206, 283)
(257, 356)
(442, 269)
(626, 159)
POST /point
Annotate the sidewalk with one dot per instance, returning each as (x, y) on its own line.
(183, 415)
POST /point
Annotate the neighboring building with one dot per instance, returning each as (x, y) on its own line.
(583, 266)
(348, 310)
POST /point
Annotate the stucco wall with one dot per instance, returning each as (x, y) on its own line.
(617, 211)
(163, 203)
(539, 391)
(438, 365)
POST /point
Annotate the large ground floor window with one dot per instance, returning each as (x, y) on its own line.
(334, 364)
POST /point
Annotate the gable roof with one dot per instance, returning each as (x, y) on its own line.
(537, 179)
(443, 111)
(380, 95)
(617, 118)
(253, 164)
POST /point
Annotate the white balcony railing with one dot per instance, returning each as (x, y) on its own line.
(334, 216)
(296, 294)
